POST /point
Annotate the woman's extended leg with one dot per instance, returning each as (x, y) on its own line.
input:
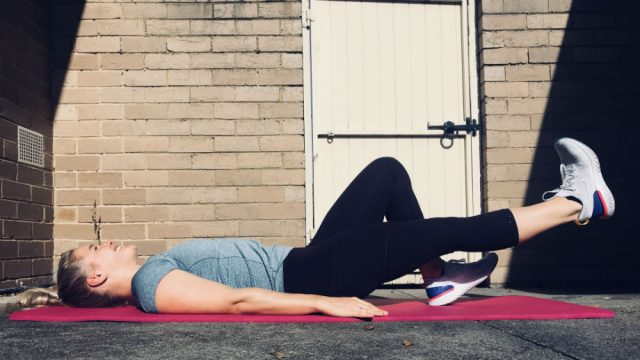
(355, 261)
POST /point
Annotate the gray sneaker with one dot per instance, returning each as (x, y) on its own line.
(582, 180)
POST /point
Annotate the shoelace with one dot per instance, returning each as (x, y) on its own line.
(568, 181)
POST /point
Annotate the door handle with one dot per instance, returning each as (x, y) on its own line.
(451, 130)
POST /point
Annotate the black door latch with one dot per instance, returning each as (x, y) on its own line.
(451, 130)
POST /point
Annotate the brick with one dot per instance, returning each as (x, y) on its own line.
(506, 89)
(14, 269)
(257, 27)
(76, 128)
(527, 106)
(146, 178)
(259, 211)
(123, 231)
(540, 89)
(123, 127)
(494, 106)
(234, 77)
(280, 43)
(190, 144)
(166, 94)
(144, 11)
(66, 215)
(97, 44)
(42, 195)
(259, 194)
(189, 77)
(66, 112)
(163, 231)
(76, 162)
(283, 177)
(123, 196)
(236, 111)
(504, 56)
(258, 127)
(168, 127)
(510, 156)
(235, 11)
(215, 228)
(282, 143)
(190, 111)
(504, 22)
(120, 27)
(213, 27)
(42, 266)
(259, 160)
(77, 197)
(15, 191)
(122, 61)
(8, 170)
(16, 229)
(168, 161)
(171, 195)
(99, 145)
(189, 44)
(292, 93)
(236, 143)
(524, 139)
(497, 139)
(144, 44)
(292, 126)
(214, 161)
(99, 180)
(492, 6)
(544, 54)
(279, 9)
(294, 194)
(148, 247)
(234, 43)
(8, 209)
(291, 27)
(292, 61)
(30, 249)
(281, 110)
(79, 96)
(167, 27)
(192, 212)
(258, 61)
(212, 94)
(493, 73)
(526, 6)
(146, 214)
(8, 249)
(238, 177)
(145, 78)
(167, 61)
(548, 21)
(123, 162)
(212, 127)
(100, 112)
(294, 160)
(507, 189)
(146, 111)
(101, 11)
(122, 95)
(515, 38)
(216, 195)
(82, 61)
(212, 61)
(64, 180)
(560, 5)
(190, 11)
(192, 178)
(528, 73)
(146, 144)
(32, 212)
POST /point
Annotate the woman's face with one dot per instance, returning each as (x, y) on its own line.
(107, 256)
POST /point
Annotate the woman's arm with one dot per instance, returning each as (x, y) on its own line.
(182, 292)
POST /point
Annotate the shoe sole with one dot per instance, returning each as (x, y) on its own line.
(605, 195)
(453, 294)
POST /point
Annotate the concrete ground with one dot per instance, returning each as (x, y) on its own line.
(617, 338)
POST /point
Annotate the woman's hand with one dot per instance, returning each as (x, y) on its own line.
(348, 307)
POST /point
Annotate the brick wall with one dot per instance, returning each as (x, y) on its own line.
(552, 68)
(26, 209)
(179, 120)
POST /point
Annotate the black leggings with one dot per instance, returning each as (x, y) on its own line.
(354, 251)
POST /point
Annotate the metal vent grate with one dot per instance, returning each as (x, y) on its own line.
(30, 147)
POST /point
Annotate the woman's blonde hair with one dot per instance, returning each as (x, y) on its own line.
(72, 290)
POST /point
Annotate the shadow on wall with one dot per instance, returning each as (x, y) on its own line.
(594, 97)
(66, 16)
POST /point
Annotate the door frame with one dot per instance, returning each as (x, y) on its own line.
(470, 108)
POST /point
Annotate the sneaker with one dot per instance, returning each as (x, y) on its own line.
(582, 181)
(457, 279)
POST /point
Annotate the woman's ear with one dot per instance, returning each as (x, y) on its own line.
(96, 278)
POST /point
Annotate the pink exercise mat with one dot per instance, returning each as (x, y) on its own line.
(492, 308)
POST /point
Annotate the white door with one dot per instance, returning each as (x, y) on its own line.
(380, 72)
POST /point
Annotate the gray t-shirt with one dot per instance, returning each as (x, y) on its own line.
(234, 262)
